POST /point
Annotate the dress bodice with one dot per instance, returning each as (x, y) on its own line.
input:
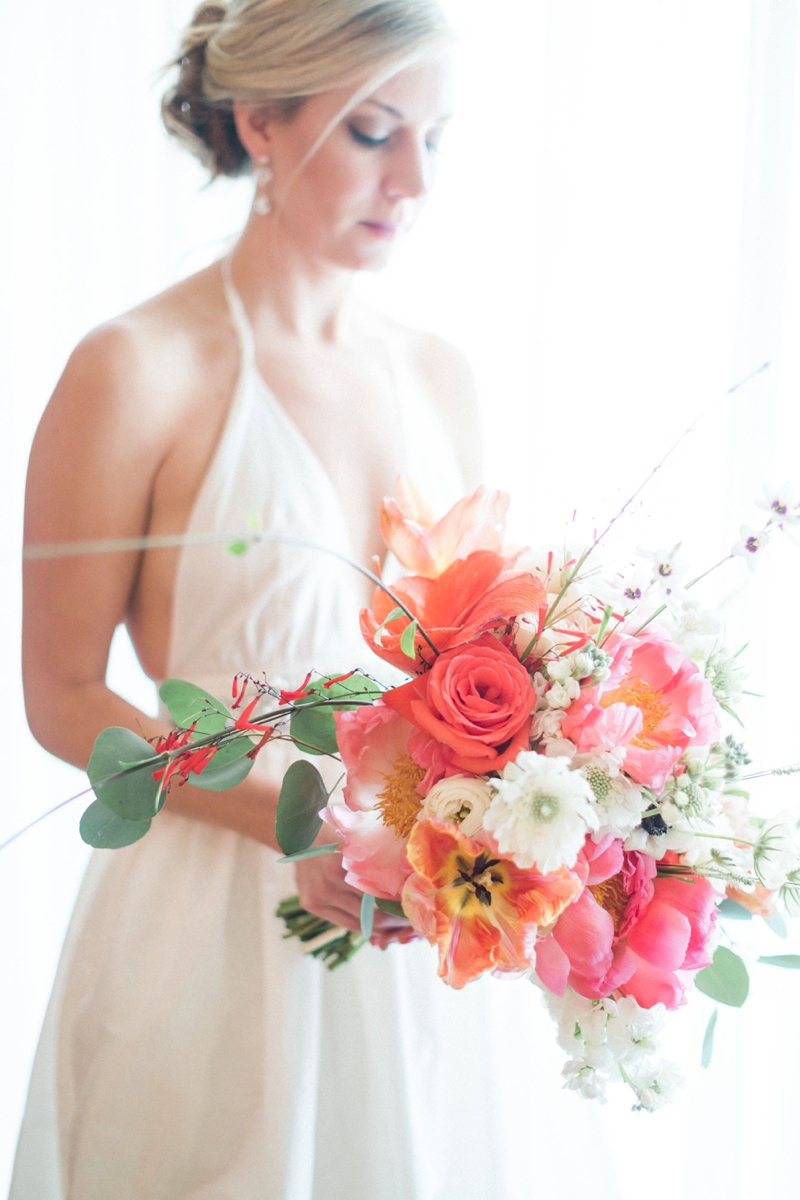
(281, 608)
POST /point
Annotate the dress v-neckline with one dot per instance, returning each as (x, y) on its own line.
(249, 366)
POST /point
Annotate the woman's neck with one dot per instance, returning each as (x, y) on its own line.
(287, 293)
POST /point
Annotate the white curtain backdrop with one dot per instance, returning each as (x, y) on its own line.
(614, 240)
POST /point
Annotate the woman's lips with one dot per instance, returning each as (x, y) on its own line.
(382, 229)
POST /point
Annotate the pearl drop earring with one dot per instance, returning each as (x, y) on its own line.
(263, 174)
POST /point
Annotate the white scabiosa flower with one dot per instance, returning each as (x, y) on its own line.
(619, 799)
(541, 812)
(775, 854)
(460, 800)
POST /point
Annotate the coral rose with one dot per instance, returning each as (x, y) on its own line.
(476, 699)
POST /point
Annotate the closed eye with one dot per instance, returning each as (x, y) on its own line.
(364, 140)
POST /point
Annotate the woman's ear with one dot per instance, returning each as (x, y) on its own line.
(252, 126)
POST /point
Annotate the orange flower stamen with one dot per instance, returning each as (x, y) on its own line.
(638, 694)
(611, 895)
(399, 802)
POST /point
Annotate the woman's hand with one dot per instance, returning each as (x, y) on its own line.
(324, 892)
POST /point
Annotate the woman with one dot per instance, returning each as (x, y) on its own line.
(188, 1050)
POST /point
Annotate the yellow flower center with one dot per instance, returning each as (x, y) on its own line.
(399, 802)
(478, 877)
(611, 895)
(641, 695)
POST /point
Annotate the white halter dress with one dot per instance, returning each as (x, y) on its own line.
(189, 1051)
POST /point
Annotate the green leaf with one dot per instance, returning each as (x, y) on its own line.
(189, 705)
(312, 852)
(367, 915)
(731, 910)
(777, 924)
(393, 615)
(407, 639)
(229, 766)
(726, 980)
(790, 961)
(303, 794)
(237, 547)
(393, 907)
(708, 1040)
(129, 791)
(104, 830)
(726, 708)
(314, 730)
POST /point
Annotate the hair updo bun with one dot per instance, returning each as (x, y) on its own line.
(277, 53)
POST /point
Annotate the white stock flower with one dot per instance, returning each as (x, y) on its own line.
(751, 545)
(547, 724)
(657, 1084)
(632, 1031)
(582, 1078)
(775, 854)
(541, 812)
(460, 800)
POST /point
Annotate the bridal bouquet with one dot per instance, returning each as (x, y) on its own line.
(547, 792)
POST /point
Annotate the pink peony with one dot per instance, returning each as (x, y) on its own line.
(628, 931)
(380, 799)
(654, 705)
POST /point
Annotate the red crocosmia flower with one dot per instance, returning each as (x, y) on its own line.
(468, 597)
(476, 699)
(428, 547)
(478, 908)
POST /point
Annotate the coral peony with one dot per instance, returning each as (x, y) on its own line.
(480, 909)
(476, 699)
(654, 704)
(475, 523)
(380, 801)
(471, 595)
(629, 931)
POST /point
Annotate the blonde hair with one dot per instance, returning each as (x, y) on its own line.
(277, 53)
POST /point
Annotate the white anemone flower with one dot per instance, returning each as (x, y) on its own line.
(541, 812)
(460, 800)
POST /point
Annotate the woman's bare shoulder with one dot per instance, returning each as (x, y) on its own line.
(151, 365)
(447, 379)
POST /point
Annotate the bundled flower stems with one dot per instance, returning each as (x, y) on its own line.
(546, 791)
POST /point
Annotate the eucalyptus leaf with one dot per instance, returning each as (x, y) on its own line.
(104, 830)
(708, 1040)
(393, 907)
(731, 910)
(407, 639)
(790, 961)
(726, 980)
(314, 730)
(189, 705)
(312, 852)
(367, 915)
(777, 924)
(303, 794)
(229, 766)
(129, 791)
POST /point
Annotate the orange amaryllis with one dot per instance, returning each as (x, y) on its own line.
(428, 548)
(473, 594)
(478, 908)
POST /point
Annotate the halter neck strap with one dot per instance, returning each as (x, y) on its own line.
(238, 313)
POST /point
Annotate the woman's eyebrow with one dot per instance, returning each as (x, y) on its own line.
(393, 112)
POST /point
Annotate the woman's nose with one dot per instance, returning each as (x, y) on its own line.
(409, 173)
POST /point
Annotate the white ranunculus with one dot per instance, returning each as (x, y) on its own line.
(541, 812)
(460, 800)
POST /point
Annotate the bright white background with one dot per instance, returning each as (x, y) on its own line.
(614, 240)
